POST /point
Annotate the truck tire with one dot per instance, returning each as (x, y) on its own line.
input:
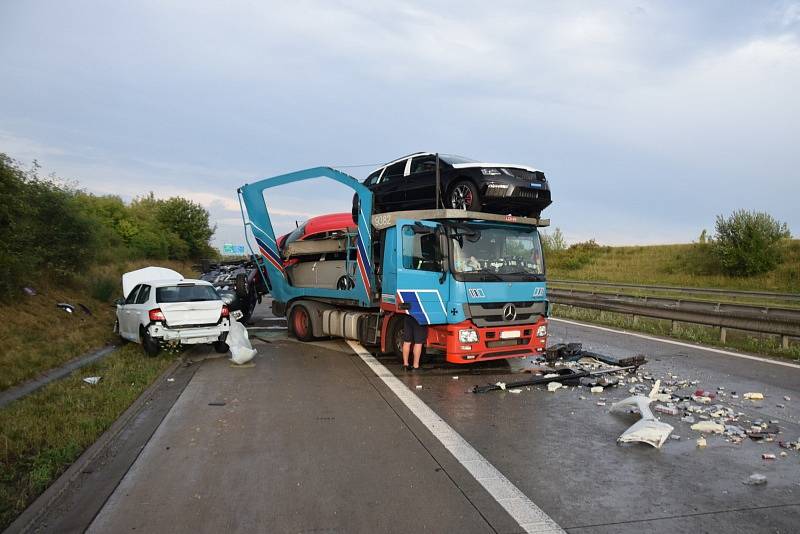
(300, 323)
(464, 196)
(151, 346)
(394, 336)
(240, 283)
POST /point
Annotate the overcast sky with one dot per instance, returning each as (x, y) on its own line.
(649, 118)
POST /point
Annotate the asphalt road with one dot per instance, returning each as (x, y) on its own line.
(311, 439)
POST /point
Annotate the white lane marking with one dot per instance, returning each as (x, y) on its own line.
(679, 343)
(530, 517)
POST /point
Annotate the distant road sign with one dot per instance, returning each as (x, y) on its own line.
(233, 250)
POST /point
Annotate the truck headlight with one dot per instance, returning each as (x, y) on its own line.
(490, 172)
(467, 336)
(541, 331)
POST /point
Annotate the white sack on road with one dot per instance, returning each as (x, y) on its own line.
(239, 343)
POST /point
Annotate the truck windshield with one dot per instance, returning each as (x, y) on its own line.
(497, 251)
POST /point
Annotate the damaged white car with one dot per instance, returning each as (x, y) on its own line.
(162, 307)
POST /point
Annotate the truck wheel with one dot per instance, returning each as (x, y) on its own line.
(464, 196)
(395, 336)
(300, 323)
(151, 346)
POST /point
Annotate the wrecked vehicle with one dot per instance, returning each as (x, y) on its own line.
(238, 284)
(162, 307)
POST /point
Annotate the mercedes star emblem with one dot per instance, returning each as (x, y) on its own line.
(509, 312)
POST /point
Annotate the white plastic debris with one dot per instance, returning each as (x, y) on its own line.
(552, 386)
(754, 396)
(597, 389)
(501, 385)
(239, 344)
(170, 380)
(709, 426)
(701, 442)
(419, 386)
(756, 479)
(515, 390)
(92, 380)
(648, 429)
(455, 378)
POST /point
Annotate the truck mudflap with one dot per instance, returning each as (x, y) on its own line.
(488, 343)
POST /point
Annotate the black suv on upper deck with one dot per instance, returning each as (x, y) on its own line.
(410, 183)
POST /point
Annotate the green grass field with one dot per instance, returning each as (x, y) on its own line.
(43, 433)
(687, 265)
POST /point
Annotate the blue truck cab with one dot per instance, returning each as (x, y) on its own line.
(476, 279)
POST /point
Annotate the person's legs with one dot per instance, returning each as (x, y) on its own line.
(417, 354)
(406, 350)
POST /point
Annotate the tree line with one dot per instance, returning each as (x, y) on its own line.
(51, 229)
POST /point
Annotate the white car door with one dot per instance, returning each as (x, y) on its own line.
(124, 314)
(140, 311)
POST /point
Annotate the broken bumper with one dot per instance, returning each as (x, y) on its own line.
(492, 342)
(191, 335)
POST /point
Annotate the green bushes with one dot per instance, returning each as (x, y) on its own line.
(576, 256)
(748, 242)
(54, 231)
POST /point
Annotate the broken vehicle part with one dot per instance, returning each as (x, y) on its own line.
(560, 375)
(648, 429)
(69, 308)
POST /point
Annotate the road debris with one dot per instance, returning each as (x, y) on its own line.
(701, 442)
(709, 426)
(597, 389)
(552, 386)
(69, 308)
(216, 403)
(239, 344)
(419, 386)
(455, 378)
(767, 456)
(648, 429)
(29, 291)
(515, 390)
(92, 379)
(756, 479)
(754, 396)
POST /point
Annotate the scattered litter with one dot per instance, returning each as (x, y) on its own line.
(552, 386)
(29, 291)
(754, 396)
(709, 426)
(763, 431)
(170, 380)
(601, 403)
(756, 479)
(581, 397)
(515, 390)
(701, 442)
(687, 419)
(767, 456)
(669, 410)
(597, 389)
(784, 454)
(780, 406)
(216, 403)
(69, 308)
(455, 378)
(419, 386)
(239, 344)
(92, 379)
(676, 438)
(787, 398)
(648, 429)
(501, 385)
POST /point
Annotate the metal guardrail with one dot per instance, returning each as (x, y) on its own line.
(762, 319)
(732, 293)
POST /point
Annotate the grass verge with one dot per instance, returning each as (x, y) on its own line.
(43, 433)
(38, 336)
(707, 335)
